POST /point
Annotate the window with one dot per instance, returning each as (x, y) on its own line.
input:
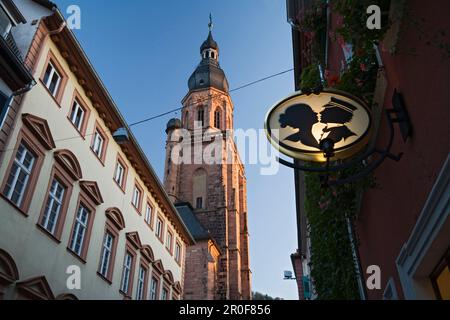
(52, 79)
(201, 116)
(5, 23)
(19, 175)
(4, 106)
(440, 278)
(79, 230)
(114, 224)
(217, 119)
(142, 279)
(178, 252)
(77, 115)
(107, 250)
(159, 228)
(154, 289)
(199, 188)
(186, 120)
(169, 240)
(119, 174)
(136, 200)
(199, 203)
(126, 273)
(97, 144)
(149, 215)
(53, 206)
(165, 294)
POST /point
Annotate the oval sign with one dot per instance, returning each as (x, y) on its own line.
(297, 124)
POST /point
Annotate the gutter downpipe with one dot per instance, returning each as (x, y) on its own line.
(19, 92)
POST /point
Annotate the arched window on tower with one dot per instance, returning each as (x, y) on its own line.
(186, 120)
(217, 119)
(199, 188)
(201, 116)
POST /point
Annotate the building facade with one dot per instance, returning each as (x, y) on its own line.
(403, 225)
(83, 215)
(15, 78)
(216, 189)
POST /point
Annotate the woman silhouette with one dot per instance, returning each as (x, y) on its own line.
(302, 117)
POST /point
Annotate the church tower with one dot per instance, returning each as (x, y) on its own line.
(215, 190)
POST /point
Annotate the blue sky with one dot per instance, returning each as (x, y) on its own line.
(145, 52)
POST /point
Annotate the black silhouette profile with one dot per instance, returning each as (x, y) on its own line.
(341, 112)
(302, 117)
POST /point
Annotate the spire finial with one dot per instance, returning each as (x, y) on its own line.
(210, 24)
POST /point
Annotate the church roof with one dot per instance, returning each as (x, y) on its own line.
(190, 220)
(209, 43)
(173, 123)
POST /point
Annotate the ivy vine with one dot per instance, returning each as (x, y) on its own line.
(330, 209)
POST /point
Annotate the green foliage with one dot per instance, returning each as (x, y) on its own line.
(310, 77)
(360, 77)
(260, 296)
(353, 26)
(327, 210)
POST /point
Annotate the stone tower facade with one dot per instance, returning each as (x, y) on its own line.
(203, 168)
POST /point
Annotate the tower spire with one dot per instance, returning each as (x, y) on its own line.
(210, 24)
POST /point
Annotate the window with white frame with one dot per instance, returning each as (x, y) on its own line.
(53, 206)
(136, 197)
(77, 115)
(97, 144)
(141, 283)
(52, 79)
(169, 239)
(159, 228)
(19, 175)
(154, 289)
(126, 272)
(178, 252)
(79, 230)
(148, 214)
(119, 174)
(107, 249)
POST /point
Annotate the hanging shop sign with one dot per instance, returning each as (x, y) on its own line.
(299, 125)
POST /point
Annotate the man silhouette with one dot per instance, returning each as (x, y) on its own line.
(337, 112)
